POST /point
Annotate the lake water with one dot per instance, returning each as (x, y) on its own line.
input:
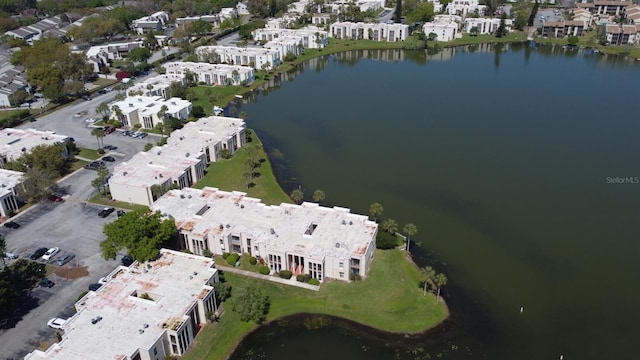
(507, 159)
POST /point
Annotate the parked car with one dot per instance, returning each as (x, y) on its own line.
(106, 212)
(54, 198)
(81, 113)
(46, 283)
(86, 97)
(38, 253)
(95, 287)
(120, 213)
(64, 259)
(142, 135)
(110, 147)
(50, 253)
(56, 323)
(127, 260)
(109, 130)
(109, 158)
(11, 225)
(10, 256)
(91, 120)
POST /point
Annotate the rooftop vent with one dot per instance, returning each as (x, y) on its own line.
(95, 320)
(350, 222)
(24, 149)
(344, 222)
(241, 206)
(145, 326)
(272, 231)
(160, 175)
(181, 137)
(190, 277)
(337, 245)
(221, 226)
(195, 273)
(140, 331)
(187, 155)
(124, 173)
(228, 226)
(159, 152)
(130, 105)
(181, 196)
(188, 196)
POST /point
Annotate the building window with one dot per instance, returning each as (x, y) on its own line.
(341, 273)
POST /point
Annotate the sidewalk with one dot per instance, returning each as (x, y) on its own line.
(292, 281)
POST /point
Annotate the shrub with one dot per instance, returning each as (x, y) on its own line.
(303, 277)
(264, 270)
(137, 126)
(100, 151)
(384, 240)
(314, 281)
(253, 260)
(285, 274)
(225, 255)
(232, 259)
(148, 146)
(354, 277)
(207, 253)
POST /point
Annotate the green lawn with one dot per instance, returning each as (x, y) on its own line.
(516, 36)
(227, 175)
(98, 199)
(225, 93)
(91, 154)
(389, 299)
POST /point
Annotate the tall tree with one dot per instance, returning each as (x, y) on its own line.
(99, 134)
(409, 229)
(37, 184)
(104, 111)
(390, 226)
(422, 13)
(140, 232)
(397, 15)
(440, 280)
(376, 210)
(3, 249)
(318, 196)
(297, 196)
(428, 274)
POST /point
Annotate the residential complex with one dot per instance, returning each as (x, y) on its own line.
(213, 74)
(445, 27)
(155, 86)
(485, 25)
(256, 57)
(326, 243)
(180, 163)
(154, 22)
(16, 142)
(464, 7)
(145, 311)
(563, 28)
(147, 110)
(369, 31)
(9, 179)
(12, 78)
(309, 37)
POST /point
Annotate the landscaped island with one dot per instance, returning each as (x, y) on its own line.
(390, 299)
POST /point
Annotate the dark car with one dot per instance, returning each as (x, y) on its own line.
(127, 260)
(46, 283)
(120, 213)
(106, 212)
(109, 158)
(65, 259)
(86, 97)
(110, 147)
(38, 253)
(94, 287)
(54, 198)
(109, 130)
(11, 225)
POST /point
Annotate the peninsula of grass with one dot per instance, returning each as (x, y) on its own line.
(101, 200)
(227, 175)
(389, 299)
(91, 154)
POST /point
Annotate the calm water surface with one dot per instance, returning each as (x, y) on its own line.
(502, 158)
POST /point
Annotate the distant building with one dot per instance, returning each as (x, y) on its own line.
(445, 27)
(464, 7)
(12, 78)
(485, 25)
(156, 86)
(559, 29)
(16, 142)
(154, 22)
(622, 34)
(145, 311)
(213, 74)
(320, 19)
(605, 7)
(33, 32)
(292, 41)
(369, 31)
(144, 110)
(9, 180)
(110, 52)
(326, 243)
(180, 163)
(632, 14)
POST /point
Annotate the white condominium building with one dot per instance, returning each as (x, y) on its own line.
(485, 25)
(213, 74)
(369, 31)
(146, 110)
(255, 57)
(146, 311)
(326, 243)
(309, 37)
(9, 179)
(464, 7)
(16, 142)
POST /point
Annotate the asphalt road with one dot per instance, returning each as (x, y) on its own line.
(72, 225)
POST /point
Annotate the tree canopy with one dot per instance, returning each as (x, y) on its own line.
(422, 13)
(250, 303)
(140, 232)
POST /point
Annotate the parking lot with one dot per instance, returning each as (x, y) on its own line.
(73, 225)
(545, 15)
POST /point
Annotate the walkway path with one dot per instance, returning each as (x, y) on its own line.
(292, 281)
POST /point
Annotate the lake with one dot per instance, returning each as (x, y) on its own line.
(519, 165)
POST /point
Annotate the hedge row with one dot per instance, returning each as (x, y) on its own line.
(285, 274)
(232, 259)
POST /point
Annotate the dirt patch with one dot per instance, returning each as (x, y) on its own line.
(72, 273)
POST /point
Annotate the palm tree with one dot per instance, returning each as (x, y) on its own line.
(99, 134)
(297, 196)
(162, 114)
(118, 113)
(103, 110)
(318, 196)
(427, 274)
(409, 229)
(390, 226)
(440, 280)
(376, 210)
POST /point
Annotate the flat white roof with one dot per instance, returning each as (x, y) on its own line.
(175, 282)
(198, 68)
(337, 232)
(197, 135)
(155, 166)
(8, 180)
(15, 142)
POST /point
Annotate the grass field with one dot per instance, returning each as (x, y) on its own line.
(223, 94)
(98, 199)
(389, 299)
(227, 175)
(91, 154)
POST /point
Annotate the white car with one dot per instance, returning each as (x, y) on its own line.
(103, 280)
(91, 120)
(50, 253)
(56, 323)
